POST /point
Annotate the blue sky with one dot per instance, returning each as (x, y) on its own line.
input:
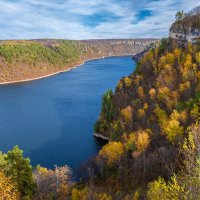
(88, 19)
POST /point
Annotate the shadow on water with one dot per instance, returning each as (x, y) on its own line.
(83, 171)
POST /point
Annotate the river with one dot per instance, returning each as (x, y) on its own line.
(52, 119)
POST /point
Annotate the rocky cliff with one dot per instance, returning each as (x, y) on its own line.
(186, 29)
(24, 60)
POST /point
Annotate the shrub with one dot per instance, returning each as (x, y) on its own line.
(112, 152)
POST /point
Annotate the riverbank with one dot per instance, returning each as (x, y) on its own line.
(60, 71)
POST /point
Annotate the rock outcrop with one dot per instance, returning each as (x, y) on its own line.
(186, 29)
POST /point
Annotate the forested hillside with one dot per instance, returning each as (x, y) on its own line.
(164, 87)
(152, 124)
(22, 60)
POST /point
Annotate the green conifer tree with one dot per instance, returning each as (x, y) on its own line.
(19, 170)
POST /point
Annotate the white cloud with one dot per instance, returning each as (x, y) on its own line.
(26, 19)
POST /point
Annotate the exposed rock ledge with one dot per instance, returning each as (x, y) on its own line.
(101, 136)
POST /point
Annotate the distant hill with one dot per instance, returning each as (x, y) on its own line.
(22, 59)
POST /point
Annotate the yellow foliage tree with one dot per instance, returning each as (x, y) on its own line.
(142, 141)
(189, 58)
(182, 116)
(79, 194)
(137, 79)
(175, 115)
(120, 84)
(185, 184)
(175, 96)
(152, 93)
(103, 196)
(127, 113)
(146, 106)
(177, 53)
(198, 75)
(189, 69)
(161, 115)
(172, 129)
(168, 67)
(170, 58)
(162, 62)
(170, 126)
(141, 113)
(85, 193)
(194, 113)
(130, 142)
(140, 92)
(163, 92)
(198, 57)
(8, 189)
(159, 189)
(150, 56)
(172, 99)
(184, 86)
(112, 152)
(127, 81)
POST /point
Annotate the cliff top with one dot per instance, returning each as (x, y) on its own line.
(189, 24)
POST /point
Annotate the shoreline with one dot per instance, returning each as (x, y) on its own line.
(61, 71)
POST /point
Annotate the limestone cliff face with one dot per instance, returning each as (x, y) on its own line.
(22, 60)
(186, 29)
(100, 48)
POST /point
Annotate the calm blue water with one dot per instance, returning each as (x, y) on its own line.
(52, 119)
